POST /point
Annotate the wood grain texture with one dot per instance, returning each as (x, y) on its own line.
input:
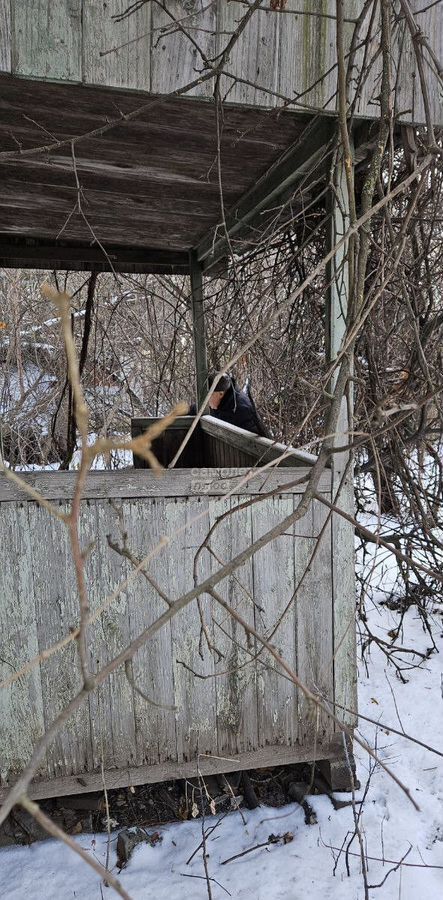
(59, 486)
(5, 36)
(196, 728)
(235, 668)
(206, 765)
(47, 39)
(177, 37)
(112, 706)
(314, 624)
(405, 78)
(255, 56)
(343, 580)
(148, 182)
(152, 667)
(232, 706)
(57, 611)
(273, 590)
(287, 57)
(125, 66)
(263, 449)
(321, 618)
(21, 704)
(307, 53)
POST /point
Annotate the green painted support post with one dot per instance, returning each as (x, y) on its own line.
(342, 536)
(198, 326)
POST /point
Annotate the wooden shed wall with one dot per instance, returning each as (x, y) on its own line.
(249, 715)
(284, 53)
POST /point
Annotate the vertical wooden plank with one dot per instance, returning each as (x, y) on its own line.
(46, 39)
(175, 58)
(5, 35)
(128, 65)
(367, 57)
(194, 697)
(308, 612)
(57, 611)
(404, 73)
(405, 76)
(112, 704)
(236, 681)
(255, 57)
(307, 52)
(273, 569)
(314, 621)
(21, 705)
(146, 523)
(219, 457)
(431, 24)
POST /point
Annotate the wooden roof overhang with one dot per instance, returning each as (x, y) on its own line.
(105, 179)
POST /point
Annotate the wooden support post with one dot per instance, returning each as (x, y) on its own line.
(198, 325)
(342, 543)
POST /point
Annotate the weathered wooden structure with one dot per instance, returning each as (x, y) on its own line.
(74, 103)
(245, 716)
(109, 162)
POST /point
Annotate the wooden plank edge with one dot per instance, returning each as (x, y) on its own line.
(170, 771)
(255, 445)
(145, 484)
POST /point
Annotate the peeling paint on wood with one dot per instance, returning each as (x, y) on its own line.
(47, 39)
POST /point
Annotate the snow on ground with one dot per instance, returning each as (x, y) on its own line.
(304, 867)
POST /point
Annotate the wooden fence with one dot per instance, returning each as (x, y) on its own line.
(217, 710)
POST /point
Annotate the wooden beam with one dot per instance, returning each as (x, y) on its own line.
(85, 782)
(304, 157)
(198, 326)
(262, 449)
(342, 543)
(38, 254)
(137, 484)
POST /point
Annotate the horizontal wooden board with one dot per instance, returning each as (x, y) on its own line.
(59, 486)
(282, 56)
(205, 765)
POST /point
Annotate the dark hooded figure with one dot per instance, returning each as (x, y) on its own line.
(234, 406)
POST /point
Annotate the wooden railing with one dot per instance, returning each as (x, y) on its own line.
(249, 449)
(217, 444)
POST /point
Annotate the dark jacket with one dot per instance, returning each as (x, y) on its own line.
(236, 408)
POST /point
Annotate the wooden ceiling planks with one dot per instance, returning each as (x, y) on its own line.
(151, 181)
